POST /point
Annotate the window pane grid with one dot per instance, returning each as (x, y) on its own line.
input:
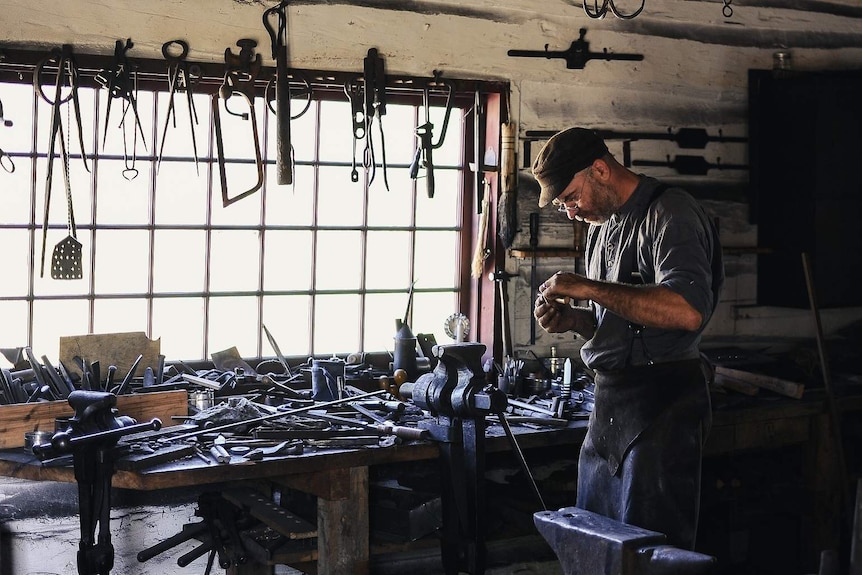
(127, 224)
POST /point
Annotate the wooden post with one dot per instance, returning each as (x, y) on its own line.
(342, 526)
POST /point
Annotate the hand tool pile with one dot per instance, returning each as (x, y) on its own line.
(254, 413)
(240, 430)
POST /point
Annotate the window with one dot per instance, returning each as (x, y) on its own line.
(325, 263)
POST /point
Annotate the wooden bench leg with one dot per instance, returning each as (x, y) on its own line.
(342, 527)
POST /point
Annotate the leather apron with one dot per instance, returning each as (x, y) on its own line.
(640, 461)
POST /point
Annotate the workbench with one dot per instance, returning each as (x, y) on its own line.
(339, 478)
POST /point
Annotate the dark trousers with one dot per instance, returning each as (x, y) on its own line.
(653, 480)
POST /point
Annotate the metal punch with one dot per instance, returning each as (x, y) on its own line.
(278, 38)
(241, 72)
(181, 78)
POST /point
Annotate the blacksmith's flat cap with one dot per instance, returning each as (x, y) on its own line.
(564, 155)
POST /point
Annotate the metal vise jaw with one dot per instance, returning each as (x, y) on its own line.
(456, 387)
(587, 543)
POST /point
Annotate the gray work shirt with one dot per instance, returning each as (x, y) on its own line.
(667, 240)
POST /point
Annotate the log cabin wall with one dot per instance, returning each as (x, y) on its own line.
(696, 55)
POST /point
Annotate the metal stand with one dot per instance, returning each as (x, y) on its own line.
(457, 395)
(91, 437)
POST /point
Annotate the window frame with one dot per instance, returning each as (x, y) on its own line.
(18, 65)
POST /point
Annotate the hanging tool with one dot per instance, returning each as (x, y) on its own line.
(303, 92)
(375, 107)
(686, 138)
(478, 166)
(117, 80)
(181, 78)
(130, 172)
(424, 132)
(68, 252)
(278, 38)
(534, 247)
(241, 72)
(66, 260)
(577, 55)
(6, 121)
(63, 61)
(357, 114)
(481, 251)
(6, 162)
(501, 276)
(598, 12)
(5, 159)
(507, 209)
(690, 165)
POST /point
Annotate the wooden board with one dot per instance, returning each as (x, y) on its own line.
(780, 386)
(735, 385)
(120, 349)
(18, 419)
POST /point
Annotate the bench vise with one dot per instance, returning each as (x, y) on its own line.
(458, 397)
(91, 436)
(587, 543)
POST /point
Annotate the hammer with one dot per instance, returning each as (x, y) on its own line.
(501, 277)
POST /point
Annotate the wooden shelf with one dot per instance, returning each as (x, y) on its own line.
(550, 252)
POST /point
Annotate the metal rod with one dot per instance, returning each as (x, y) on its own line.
(827, 381)
(520, 455)
(263, 418)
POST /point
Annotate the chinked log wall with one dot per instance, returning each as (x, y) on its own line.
(693, 75)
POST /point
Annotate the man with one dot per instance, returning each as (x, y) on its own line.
(653, 275)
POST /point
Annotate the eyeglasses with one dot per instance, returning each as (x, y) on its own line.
(572, 196)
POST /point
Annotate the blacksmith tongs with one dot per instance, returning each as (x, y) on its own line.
(117, 80)
(66, 77)
(181, 77)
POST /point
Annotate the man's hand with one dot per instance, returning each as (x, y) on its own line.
(565, 286)
(554, 316)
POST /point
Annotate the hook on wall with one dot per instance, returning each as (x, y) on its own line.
(598, 12)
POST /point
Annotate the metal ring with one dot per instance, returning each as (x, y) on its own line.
(166, 47)
(61, 60)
